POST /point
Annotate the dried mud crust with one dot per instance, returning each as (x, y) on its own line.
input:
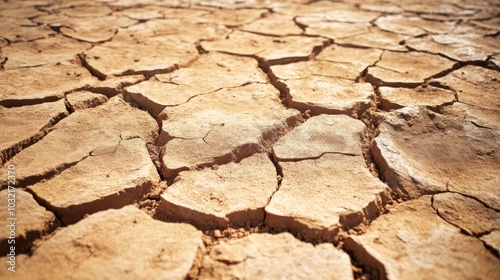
(209, 139)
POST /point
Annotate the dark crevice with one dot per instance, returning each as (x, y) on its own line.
(368, 266)
(69, 108)
(47, 207)
(360, 272)
(154, 154)
(441, 74)
(281, 87)
(200, 48)
(279, 178)
(3, 60)
(315, 157)
(318, 49)
(94, 72)
(492, 250)
(300, 25)
(432, 53)
(480, 126)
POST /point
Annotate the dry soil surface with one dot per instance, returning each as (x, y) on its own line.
(250, 139)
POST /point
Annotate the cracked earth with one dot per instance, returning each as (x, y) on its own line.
(228, 139)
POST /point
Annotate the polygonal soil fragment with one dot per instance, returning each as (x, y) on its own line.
(321, 68)
(329, 11)
(376, 38)
(339, 54)
(274, 24)
(466, 213)
(388, 8)
(42, 52)
(436, 8)
(411, 68)
(93, 11)
(274, 50)
(235, 193)
(143, 13)
(233, 17)
(453, 50)
(467, 18)
(61, 6)
(150, 12)
(395, 98)
(325, 95)
(233, 4)
(172, 30)
(414, 26)
(110, 177)
(316, 8)
(215, 71)
(470, 41)
(15, 31)
(322, 85)
(54, 21)
(114, 244)
(29, 221)
(85, 99)
(209, 73)
(332, 29)
(95, 29)
(279, 256)
(78, 136)
(155, 96)
(474, 85)
(38, 84)
(154, 55)
(350, 16)
(326, 183)
(334, 61)
(223, 126)
(20, 12)
(320, 135)
(26, 125)
(421, 152)
(412, 241)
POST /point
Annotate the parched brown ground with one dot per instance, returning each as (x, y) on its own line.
(259, 139)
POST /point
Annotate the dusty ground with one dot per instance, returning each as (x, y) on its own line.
(235, 139)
